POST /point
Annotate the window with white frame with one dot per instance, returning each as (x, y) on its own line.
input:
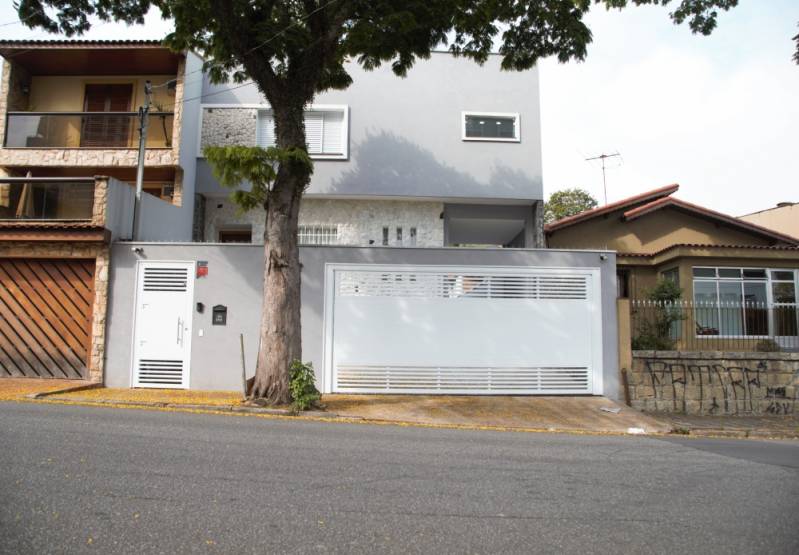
(749, 302)
(490, 126)
(317, 235)
(326, 131)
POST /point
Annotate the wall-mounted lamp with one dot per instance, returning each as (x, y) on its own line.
(137, 250)
(603, 257)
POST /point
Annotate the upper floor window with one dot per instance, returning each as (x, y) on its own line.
(486, 126)
(325, 131)
(317, 234)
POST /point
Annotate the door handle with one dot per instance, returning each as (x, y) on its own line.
(178, 335)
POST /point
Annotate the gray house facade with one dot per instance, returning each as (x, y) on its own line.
(449, 155)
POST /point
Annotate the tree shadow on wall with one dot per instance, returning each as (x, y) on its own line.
(386, 164)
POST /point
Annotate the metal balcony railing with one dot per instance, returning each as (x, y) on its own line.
(46, 199)
(85, 130)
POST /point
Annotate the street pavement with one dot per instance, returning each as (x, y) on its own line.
(102, 480)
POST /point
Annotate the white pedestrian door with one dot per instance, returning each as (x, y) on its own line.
(162, 332)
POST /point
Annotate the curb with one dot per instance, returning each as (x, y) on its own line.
(188, 406)
(740, 434)
(72, 389)
(321, 416)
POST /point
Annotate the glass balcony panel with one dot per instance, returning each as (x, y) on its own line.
(86, 130)
(40, 201)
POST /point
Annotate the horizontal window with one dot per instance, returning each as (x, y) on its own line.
(325, 132)
(490, 127)
(317, 234)
(236, 234)
(745, 302)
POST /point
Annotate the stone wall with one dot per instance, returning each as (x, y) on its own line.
(358, 221)
(715, 383)
(100, 253)
(86, 157)
(228, 126)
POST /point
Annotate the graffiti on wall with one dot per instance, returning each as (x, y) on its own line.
(719, 388)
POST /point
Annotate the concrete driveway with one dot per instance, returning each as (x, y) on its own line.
(541, 413)
(12, 389)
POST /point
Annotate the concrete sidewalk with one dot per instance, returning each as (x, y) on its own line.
(763, 427)
(563, 413)
(15, 389)
(579, 414)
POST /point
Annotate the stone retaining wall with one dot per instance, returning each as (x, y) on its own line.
(714, 383)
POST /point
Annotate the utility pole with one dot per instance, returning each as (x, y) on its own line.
(603, 157)
(144, 113)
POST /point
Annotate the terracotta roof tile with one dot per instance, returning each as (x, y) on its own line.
(33, 224)
(612, 207)
(707, 246)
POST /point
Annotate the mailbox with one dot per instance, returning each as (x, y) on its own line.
(219, 316)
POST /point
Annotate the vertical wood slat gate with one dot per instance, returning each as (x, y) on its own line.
(45, 317)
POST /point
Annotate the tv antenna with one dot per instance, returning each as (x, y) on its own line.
(603, 157)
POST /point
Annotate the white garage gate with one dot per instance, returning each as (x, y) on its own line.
(462, 330)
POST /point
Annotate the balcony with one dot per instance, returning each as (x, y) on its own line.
(103, 130)
(37, 200)
(69, 204)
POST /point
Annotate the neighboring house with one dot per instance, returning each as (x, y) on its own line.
(783, 218)
(69, 128)
(449, 155)
(719, 261)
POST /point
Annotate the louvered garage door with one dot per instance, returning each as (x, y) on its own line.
(463, 330)
(45, 317)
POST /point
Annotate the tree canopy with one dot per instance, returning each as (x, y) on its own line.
(243, 38)
(567, 202)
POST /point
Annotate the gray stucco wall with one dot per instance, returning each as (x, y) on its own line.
(192, 89)
(405, 133)
(235, 280)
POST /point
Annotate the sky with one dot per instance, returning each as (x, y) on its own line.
(718, 115)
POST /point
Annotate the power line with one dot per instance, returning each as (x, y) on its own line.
(604, 157)
(24, 19)
(256, 47)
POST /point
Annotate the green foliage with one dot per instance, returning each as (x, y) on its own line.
(303, 386)
(656, 323)
(292, 35)
(234, 165)
(567, 202)
(768, 346)
(664, 291)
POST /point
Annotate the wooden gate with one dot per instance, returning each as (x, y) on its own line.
(45, 317)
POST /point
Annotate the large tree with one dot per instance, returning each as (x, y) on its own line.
(294, 49)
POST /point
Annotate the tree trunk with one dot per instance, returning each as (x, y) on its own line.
(280, 320)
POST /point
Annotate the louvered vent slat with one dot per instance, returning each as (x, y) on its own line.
(160, 372)
(165, 279)
(376, 379)
(453, 286)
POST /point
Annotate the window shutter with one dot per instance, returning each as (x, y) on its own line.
(314, 131)
(332, 140)
(323, 131)
(266, 129)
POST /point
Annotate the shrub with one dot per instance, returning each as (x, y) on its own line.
(656, 330)
(768, 346)
(303, 386)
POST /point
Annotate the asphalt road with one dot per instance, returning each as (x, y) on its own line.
(101, 480)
